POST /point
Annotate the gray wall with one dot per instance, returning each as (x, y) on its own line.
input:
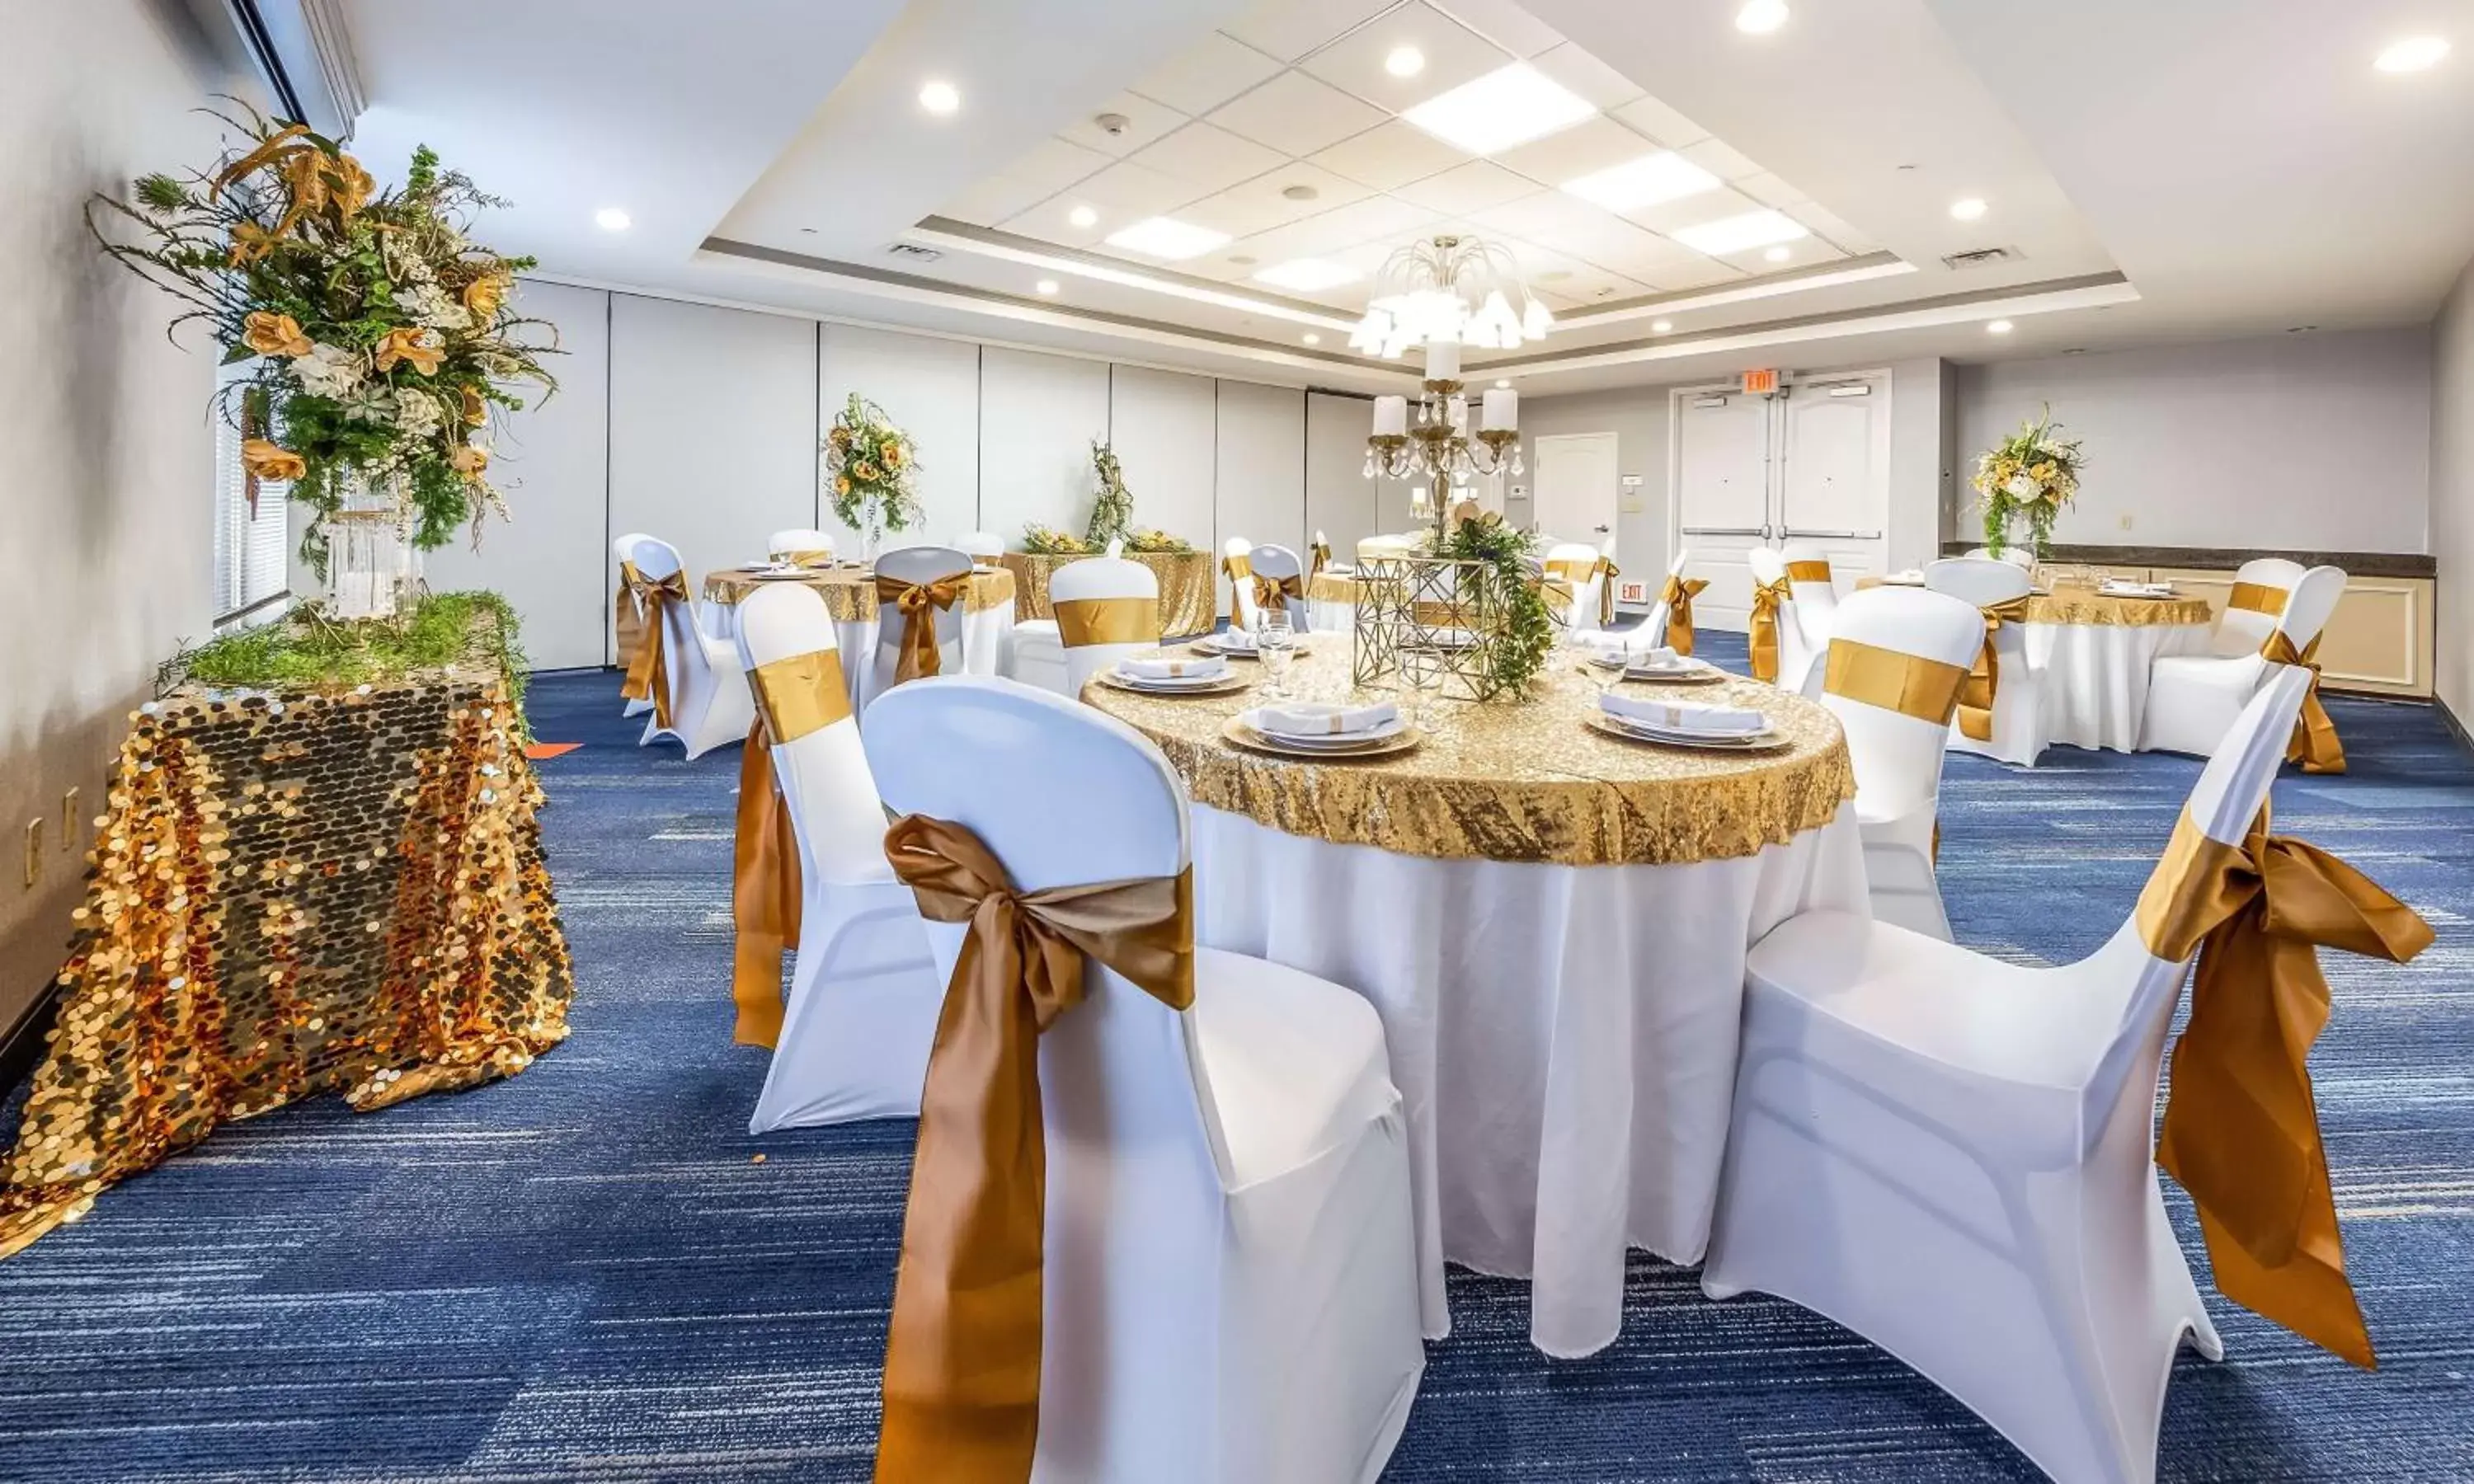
(2452, 492)
(1637, 417)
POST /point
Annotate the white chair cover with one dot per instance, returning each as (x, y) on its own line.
(2019, 694)
(918, 564)
(1898, 757)
(1241, 592)
(1816, 602)
(624, 548)
(2194, 699)
(2242, 630)
(864, 988)
(1953, 1155)
(981, 545)
(1797, 659)
(796, 538)
(1582, 617)
(2016, 555)
(1279, 562)
(709, 703)
(1103, 578)
(1662, 613)
(1231, 1295)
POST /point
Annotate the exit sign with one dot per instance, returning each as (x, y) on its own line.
(1761, 383)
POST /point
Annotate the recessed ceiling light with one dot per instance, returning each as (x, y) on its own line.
(940, 98)
(1307, 275)
(1741, 233)
(1084, 216)
(1509, 106)
(1967, 208)
(2413, 54)
(1760, 17)
(1646, 181)
(1660, 327)
(1046, 285)
(1244, 259)
(1501, 383)
(1166, 238)
(1405, 61)
(1778, 254)
(1998, 327)
(609, 219)
(1311, 338)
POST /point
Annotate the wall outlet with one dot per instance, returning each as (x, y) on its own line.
(2126, 521)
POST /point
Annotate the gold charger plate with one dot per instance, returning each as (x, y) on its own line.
(1767, 741)
(1707, 675)
(1238, 732)
(1226, 686)
(1206, 647)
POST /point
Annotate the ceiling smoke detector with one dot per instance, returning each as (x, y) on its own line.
(1299, 192)
(1979, 257)
(913, 251)
(1113, 125)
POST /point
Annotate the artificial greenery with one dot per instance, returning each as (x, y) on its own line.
(1112, 513)
(1153, 539)
(305, 650)
(869, 464)
(1503, 581)
(1043, 541)
(2035, 471)
(382, 335)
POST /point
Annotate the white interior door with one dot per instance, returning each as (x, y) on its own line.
(1834, 439)
(1722, 497)
(1578, 489)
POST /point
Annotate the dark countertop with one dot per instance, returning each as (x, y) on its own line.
(2357, 563)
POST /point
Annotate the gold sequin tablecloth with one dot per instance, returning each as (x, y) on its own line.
(850, 591)
(288, 895)
(1189, 596)
(2068, 605)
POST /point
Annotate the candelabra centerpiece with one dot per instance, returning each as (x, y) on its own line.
(1438, 446)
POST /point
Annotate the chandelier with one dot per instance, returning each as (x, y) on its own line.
(1439, 446)
(1460, 288)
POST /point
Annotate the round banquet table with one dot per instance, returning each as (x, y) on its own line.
(850, 597)
(1189, 599)
(1552, 925)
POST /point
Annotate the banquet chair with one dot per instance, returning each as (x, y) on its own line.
(981, 546)
(918, 564)
(1049, 656)
(1230, 1287)
(1237, 564)
(865, 987)
(2262, 587)
(2019, 686)
(1795, 656)
(1661, 613)
(1580, 564)
(1279, 564)
(624, 549)
(1895, 747)
(805, 546)
(1953, 1155)
(708, 703)
(2194, 699)
(1816, 593)
(2016, 555)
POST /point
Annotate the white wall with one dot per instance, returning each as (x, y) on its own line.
(2452, 493)
(1259, 477)
(1917, 441)
(1038, 415)
(110, 517)
(1166, 431)
(1637, 417)
(2318, 443)
(931, 389)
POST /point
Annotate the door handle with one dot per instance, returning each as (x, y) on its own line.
(1837, 535)
(1759, 531)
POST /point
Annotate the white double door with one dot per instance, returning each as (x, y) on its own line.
(1809, 464)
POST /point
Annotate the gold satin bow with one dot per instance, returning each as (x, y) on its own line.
(962, 1356)
(1273, 593)
(794, 696)
(1576, 572)
(1767, 598)
(648, 669)
(1678, 595)
(2241, 1133)
(2316, 745)
(1985, 679)
(919, 655)
(1321, 558)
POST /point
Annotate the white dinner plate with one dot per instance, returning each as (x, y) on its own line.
(1766, 740)
(1338, 741)
(1180, 685)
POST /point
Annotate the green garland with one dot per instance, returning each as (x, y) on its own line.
(1505, 582)
(307, 651)
(1113, 513)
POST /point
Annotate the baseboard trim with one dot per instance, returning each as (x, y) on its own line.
(2456, 727)
(23, 1045)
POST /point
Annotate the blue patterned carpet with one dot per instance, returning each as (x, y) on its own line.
(582, 1274)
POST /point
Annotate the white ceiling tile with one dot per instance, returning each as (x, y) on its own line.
(1053, 221)
(1845, 233)
(1806, 253)
(1662, 123)
(1585, 147)
(1378, 220)
(1584, 74)
(1720, 159)
(1676, 276)
(1297, 115)
(1389, 155)
(1289, 29)
(1692, 210)
(1505, 24)
(1769, 190)
(1146, 122)
(1057, 164)
(992, 201)
(1466, 188)
(1565, 224)
(1133, 192)
(1452, 55)
(1208, 159)
(1262, 203)
(1584, 285)
(1207, 74)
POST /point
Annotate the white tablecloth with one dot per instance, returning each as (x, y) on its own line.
(1563, 1036)
(987, 636)
(2095, 677)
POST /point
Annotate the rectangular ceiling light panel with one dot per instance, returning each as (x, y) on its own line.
(1737, 234)
(1307, 275)
(1507, 107)
(1166, 238)
(1647, 181)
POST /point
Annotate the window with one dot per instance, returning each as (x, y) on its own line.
(250, 549)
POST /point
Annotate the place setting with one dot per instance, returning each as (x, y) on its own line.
(1323, 730)
(1684, 724)
(1659, 665)
(1168, 673)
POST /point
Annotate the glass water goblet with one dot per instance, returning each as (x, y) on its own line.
(1275, 642)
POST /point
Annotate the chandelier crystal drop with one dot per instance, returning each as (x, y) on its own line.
(1460, 288)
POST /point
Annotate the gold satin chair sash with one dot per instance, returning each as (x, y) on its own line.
(919, 655)
(1678, 595)
(794, 696)
(1909, 685)
(2242, 1131)
(962, 1356)
(1576, 572)
(1081, 621)
(1767, 598)
(2258, 598)
(1808, 571)
(2316, 745)
(1984, 681)
(648, 669)
(807, 557)
(1273, 593)
(1238, 570)
(1320, 558)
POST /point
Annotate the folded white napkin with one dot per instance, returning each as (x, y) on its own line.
(2124, 587)
(1319, 719)
(1633, 647)
(1237, 640)
(1684, 716)
(1165, 669)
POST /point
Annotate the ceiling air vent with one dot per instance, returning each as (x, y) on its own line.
(1979, 258)
(913, 251)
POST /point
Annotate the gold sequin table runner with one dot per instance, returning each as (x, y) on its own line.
(1517, 781)
(288, 895)
(1189, 600)
(850, 591)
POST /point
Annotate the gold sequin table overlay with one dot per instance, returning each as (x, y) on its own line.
(1517, 781)
(2068, 605)
(1189, 597)
(850, 591)
(291, 895)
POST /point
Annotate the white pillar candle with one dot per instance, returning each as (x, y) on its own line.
(1391, 416)
(1443, 360)
(1502, 410)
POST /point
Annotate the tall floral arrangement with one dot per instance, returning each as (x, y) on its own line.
(381, 335)
(1112, 513)
(2034, 472)
(869, 465)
